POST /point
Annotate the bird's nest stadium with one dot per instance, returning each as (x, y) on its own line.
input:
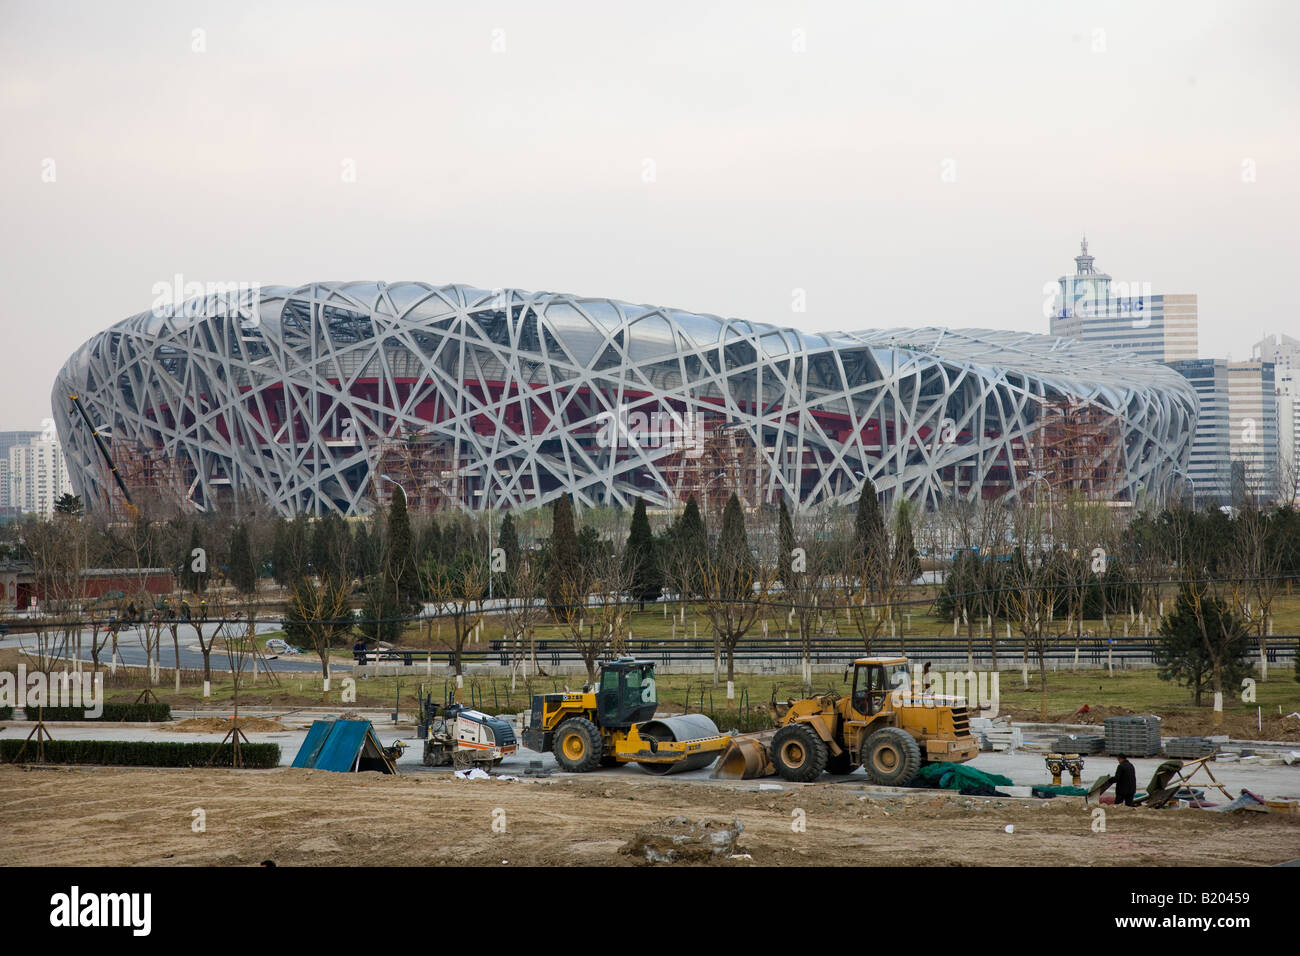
(327, 396)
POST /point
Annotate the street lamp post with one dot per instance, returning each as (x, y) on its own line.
(1191, 482)
(1042, 476)
(405, 496)
(705, 490)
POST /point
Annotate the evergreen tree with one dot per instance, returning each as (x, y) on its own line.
(640, 563)
(243, 575)
(428, 548)
(785, 536)
(868, 524)
(908, 561)
(1182, 651)
(192, 580)
(400, 566)
(331, 547)
(508, 541)
(734, 557)
(280, 552)
(869, 553)
(365, 551)
(565, 566)
(593, 550)
(290, 550)
(692, 545)
(382, 615)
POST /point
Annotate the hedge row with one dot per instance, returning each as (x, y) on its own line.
(6, 713)
(137, 753)
(112, 712)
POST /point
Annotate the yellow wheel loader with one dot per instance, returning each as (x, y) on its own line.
(615, 723)
(885, 725)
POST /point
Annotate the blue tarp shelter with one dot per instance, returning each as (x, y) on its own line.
(347, 746)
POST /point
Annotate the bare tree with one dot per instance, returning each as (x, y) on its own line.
(612, 580)
(870, 579)
(458, 591)
(1032, 595)
(217, 611)
(735, 586)
(58, 547)
(523, 612)
(804, 577)
(319, 614)
(1254, 561)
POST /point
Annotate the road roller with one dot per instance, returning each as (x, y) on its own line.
(615, 723)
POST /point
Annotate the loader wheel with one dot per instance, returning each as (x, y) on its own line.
(577, 746)
(891, 757)
(798, 753)
(840, 763)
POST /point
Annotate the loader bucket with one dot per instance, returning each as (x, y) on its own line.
(744, 759)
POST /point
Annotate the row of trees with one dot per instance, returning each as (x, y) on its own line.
(1042, 571)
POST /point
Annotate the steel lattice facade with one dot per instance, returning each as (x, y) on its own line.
(304, 396)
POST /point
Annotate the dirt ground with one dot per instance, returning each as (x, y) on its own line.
(208, 725)
(123, 817)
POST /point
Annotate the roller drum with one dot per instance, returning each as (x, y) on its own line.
(682, 728)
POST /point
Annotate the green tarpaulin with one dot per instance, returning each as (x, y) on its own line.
(958, 776)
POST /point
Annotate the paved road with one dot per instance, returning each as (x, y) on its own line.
(130, 651)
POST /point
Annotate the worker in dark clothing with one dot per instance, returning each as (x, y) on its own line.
(1125, 783)
(359, 652)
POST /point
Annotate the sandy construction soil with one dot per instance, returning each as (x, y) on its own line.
(122, 817)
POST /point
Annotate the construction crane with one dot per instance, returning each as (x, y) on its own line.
(103, 449)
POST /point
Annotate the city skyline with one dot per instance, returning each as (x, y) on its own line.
(825, 169)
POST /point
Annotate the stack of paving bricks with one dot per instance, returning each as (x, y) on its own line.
(1189, 748)
(1133, 736)
(1079, 744)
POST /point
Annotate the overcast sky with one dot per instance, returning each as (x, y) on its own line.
(902, 163)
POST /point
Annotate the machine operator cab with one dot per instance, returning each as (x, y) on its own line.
(874, 679)
(626, 693)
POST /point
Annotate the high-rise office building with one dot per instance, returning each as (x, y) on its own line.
(1094, 308)
(1236, 449)
(1252, 427)
(1209, 469)
(1284, 352)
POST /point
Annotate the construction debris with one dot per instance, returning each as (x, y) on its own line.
(1246, 801)
(996, 733)
(680, 840)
